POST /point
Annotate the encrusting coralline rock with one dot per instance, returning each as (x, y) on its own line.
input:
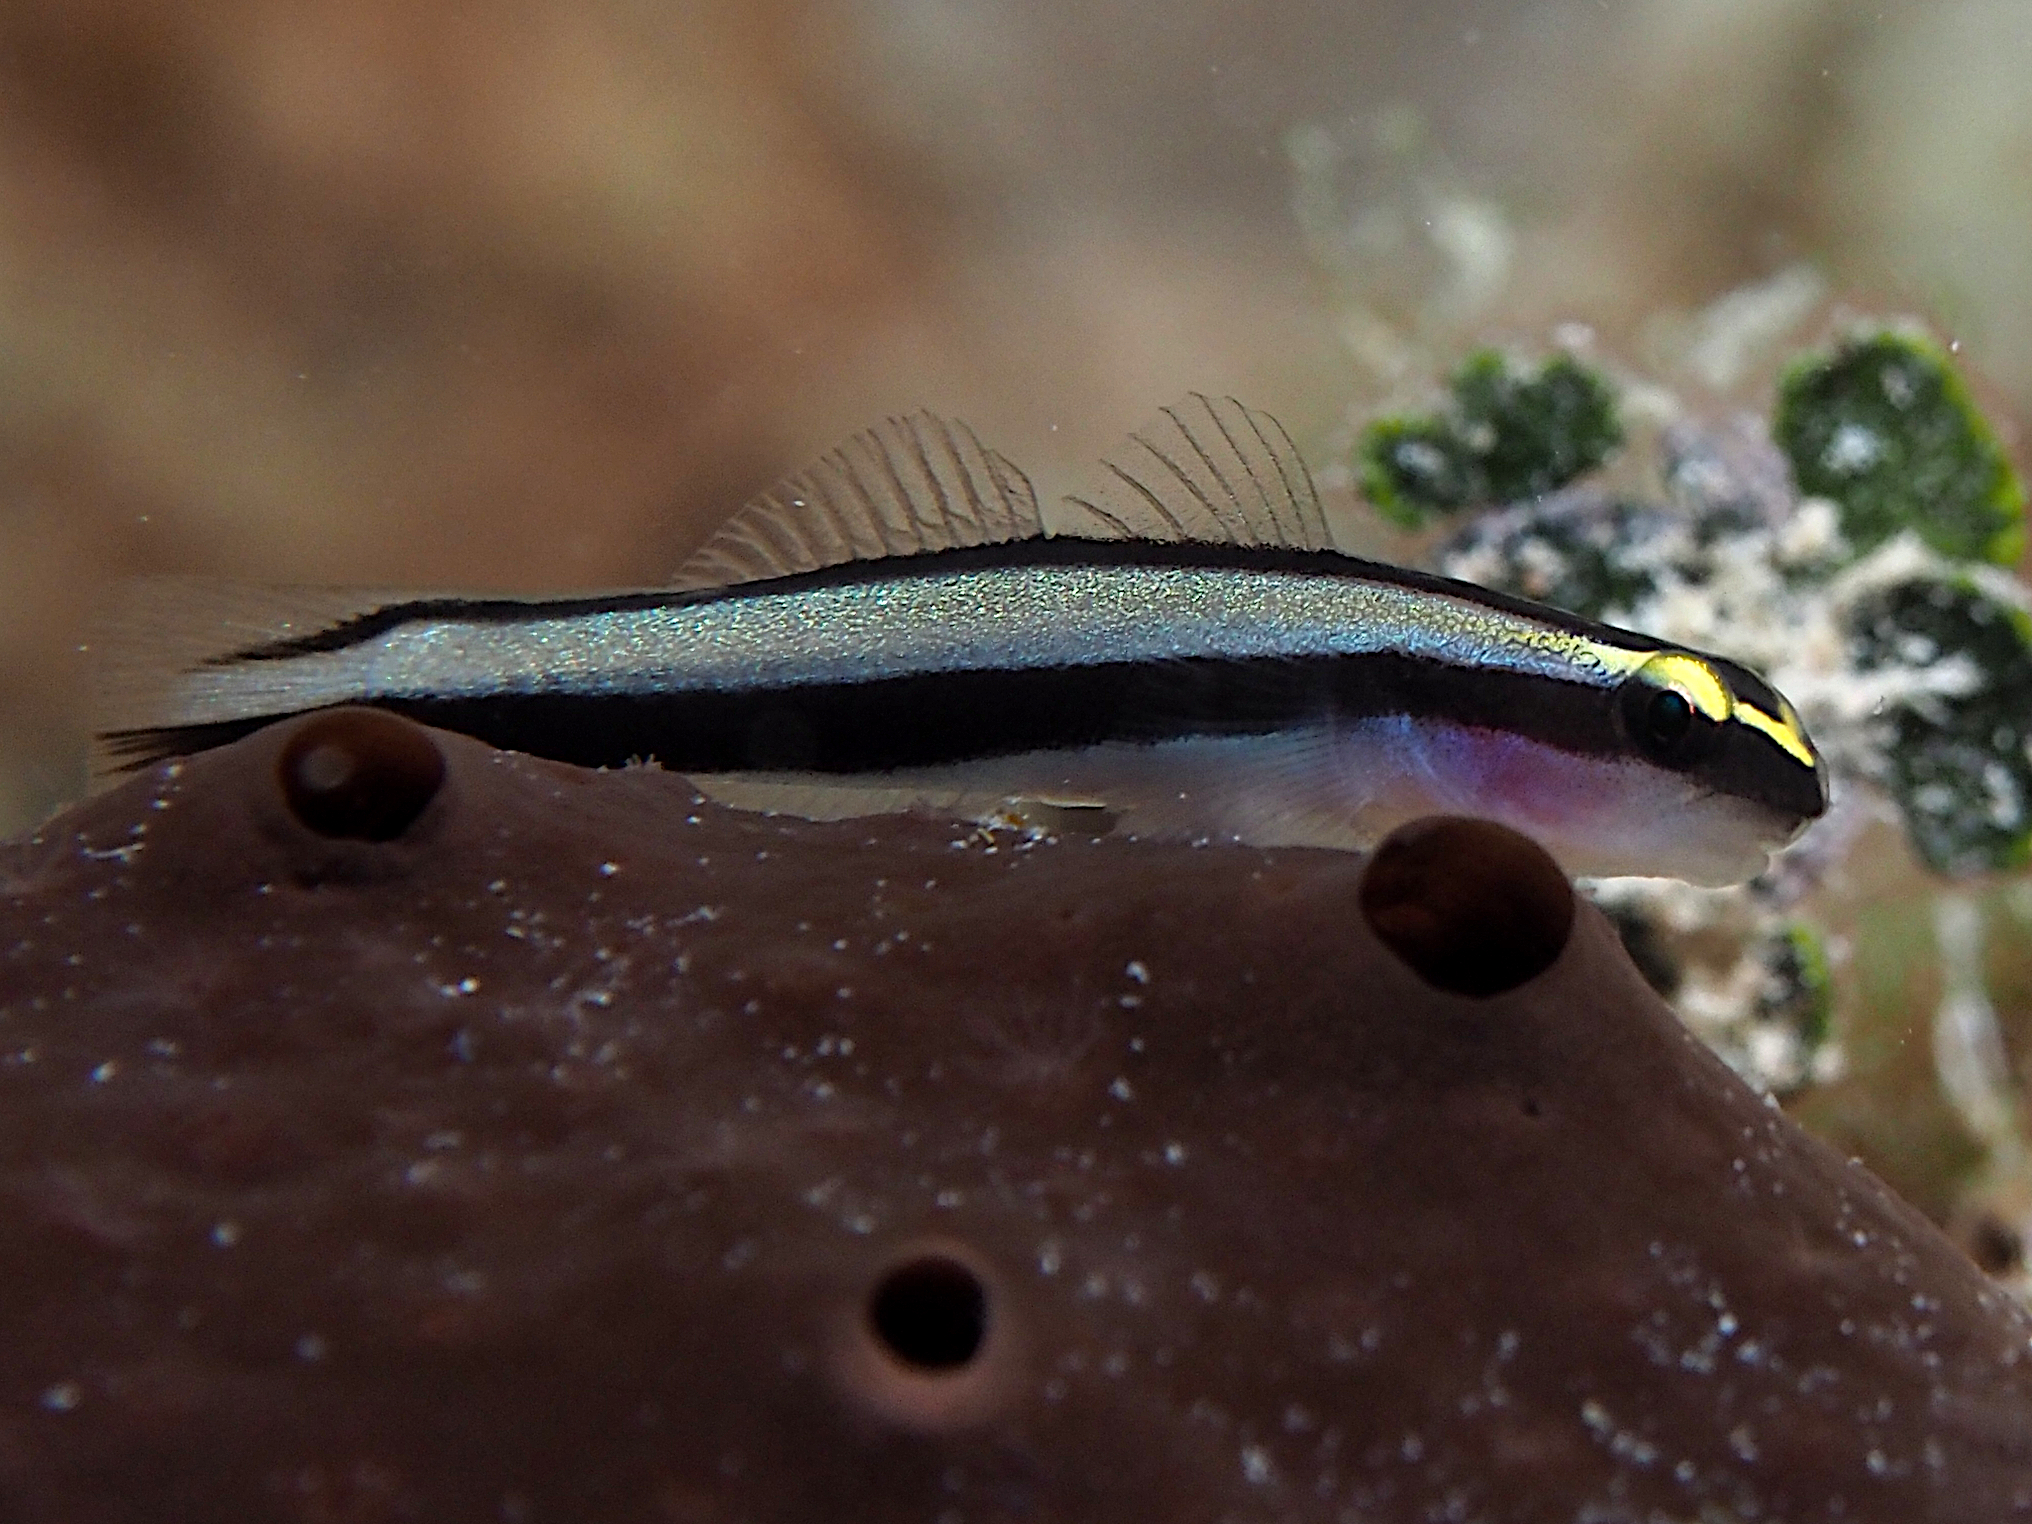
(394, 1129)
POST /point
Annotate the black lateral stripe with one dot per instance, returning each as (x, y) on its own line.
(943, 718)
(1575, 717)
(1063, 551)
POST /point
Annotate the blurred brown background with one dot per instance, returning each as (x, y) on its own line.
(530, 295)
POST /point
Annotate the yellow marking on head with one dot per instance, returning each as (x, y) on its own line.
(1616, 661)
(1784, 728)
(1702, 685)
(1708, 692)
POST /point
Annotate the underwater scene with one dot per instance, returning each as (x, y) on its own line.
(1708, 321)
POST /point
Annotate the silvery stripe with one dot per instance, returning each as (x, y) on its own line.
(1034, 616)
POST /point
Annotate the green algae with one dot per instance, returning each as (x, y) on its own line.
(1886, 429)
(1506, 433)
(1799, 987)
(1955, 756)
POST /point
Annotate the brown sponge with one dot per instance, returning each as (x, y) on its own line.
(395, 1129)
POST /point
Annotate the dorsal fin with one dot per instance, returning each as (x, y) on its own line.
(908, 485)
(1210, 469)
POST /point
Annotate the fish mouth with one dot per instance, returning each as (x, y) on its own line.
(1759, 772)
(1803, 823)
(1808, 800)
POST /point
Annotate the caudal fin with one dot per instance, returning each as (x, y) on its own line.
(160, 637)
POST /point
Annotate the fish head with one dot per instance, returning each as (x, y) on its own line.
(1732, 737)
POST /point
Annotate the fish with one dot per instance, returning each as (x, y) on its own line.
(1183, 653)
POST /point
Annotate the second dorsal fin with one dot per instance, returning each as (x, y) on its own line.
(1209, 469)
(908, 485)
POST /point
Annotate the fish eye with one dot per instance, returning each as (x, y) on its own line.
(1671, 708)
(1667, 718)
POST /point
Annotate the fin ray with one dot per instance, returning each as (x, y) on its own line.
(1238, 531)
(158, 631)
(1207, 469)
(907, 486)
